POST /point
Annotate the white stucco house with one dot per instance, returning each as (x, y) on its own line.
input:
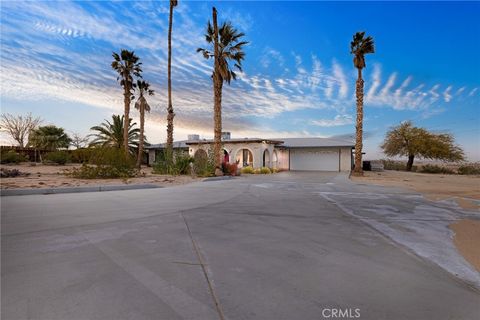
(295, 154)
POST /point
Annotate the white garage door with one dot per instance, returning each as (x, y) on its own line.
(313, 160)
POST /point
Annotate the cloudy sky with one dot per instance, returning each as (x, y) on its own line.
(298, 77)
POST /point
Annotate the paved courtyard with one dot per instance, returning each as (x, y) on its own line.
(284, 246)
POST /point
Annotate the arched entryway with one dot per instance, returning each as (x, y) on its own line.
(226, 156)
(244, 158)
(266, 158)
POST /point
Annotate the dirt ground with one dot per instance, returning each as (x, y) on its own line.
(463, 189)
(51, 176)
(467, 240)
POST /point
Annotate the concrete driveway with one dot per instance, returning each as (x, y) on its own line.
(284, 246)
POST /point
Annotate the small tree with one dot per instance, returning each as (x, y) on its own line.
(410, 141)
(49, 138)
(18, 127)
(79, 141)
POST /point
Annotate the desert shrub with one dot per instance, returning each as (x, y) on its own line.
(247, 170)
(106, 163)
(265, 170)
(204, 164)
(102, 172)
(12, 157)
(433, 168)
(230, 169)
(82, 155)
(11, 173)
(257, 171)
(396, 165)
(180, 164)
(111, 156)
(56, 157)
(275, 170)
(473, 169)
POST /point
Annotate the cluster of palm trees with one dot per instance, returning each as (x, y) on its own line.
(225, 47)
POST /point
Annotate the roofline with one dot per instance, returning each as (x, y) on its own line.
(235, 141)
(296, 147)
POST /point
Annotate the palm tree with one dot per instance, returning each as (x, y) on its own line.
(126, 64)
(359, 47)
(226, 46)
(49, 138)
(110, 134)
(170, 113)
(142, 106)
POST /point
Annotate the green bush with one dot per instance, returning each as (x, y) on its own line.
(12, 157)
(433, 168)
(106, 163)
(102, 172)
(180, 164)
(247, 170)
(57, 157)
(265, 170)
(82, 155)
(473, 169)
(204, 164)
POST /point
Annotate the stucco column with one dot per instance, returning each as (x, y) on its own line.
(270, 160)
(257, 156)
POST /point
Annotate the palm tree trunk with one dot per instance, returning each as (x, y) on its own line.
(218, 123)
(359, 128)
(140, 144)
(126, 119)
(217, 91)
(170, 113)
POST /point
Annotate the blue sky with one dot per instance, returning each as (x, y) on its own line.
(298, 77)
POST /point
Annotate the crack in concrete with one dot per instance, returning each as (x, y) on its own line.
(204, 269)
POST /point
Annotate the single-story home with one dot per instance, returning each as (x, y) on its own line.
(296, 154)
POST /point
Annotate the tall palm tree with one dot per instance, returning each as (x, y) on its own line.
(359, 47)
(170, 113)
(127, 65)
(142, 106)
(226, 47)
(110, 134)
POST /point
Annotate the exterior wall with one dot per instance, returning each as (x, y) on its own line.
(151, 157)
(345, 159)
(256, 148)
(283, 159)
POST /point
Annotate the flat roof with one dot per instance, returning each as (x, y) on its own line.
(241, 140)
(176, 144)
(281, 142)
(316, 142)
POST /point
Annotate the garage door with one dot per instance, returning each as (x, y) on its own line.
(314, 160)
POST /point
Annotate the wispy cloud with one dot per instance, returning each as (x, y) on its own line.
(339, 120)
(41, 41)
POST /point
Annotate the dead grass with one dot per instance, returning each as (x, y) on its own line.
(51, 176)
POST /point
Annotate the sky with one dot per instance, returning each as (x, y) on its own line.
(298, 77)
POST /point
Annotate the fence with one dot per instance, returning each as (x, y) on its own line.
(32, 153)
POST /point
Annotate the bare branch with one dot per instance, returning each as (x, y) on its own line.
(19, 127)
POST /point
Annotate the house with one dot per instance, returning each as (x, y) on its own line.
(296, 154)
